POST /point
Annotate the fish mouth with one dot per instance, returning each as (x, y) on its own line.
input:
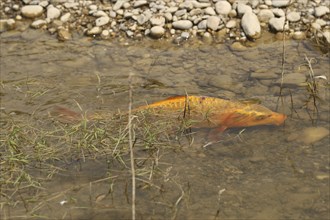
(279, 119)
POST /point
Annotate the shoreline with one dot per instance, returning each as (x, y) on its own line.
(211, 21)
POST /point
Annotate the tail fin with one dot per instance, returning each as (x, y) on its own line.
(66, 115)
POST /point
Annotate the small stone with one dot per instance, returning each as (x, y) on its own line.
(213, 22)
(207, 37)
(157, 20)
(265, 15)
(182, 24)
(313, 134)
(94, 31)
(321, 10)
(278, 12)
(293, 16)
(157, 32)
(280, 3)
(231, 23)
(118, 5)
(15, 7)
(64, 18)
(277, 24)
(326, 36)
(44, 4)
(209, 11)
(299, 35)
(38, 24)
(53, 13)
(100, 13)
(242, 9)
(237, 46)
(102, 21)
(140, 3)
(63, 34)
(222, 7)
(31, 11)
(250, 25)
(105, 34)
(202, 25)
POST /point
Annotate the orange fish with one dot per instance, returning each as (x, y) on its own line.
(201, 111)
(217, 113)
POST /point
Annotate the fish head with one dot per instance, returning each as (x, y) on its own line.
(254, 115)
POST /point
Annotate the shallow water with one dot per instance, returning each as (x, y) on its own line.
(253, 173)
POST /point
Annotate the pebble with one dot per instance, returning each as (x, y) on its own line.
(64, 18)
(157, 32)
(242, 9)
(299, 35)
(280, 3)
(265, 15)
(293, 16)
(157, 20)
(250, 25)
(32, 11)
(101, 21)
(222, 7)
(182, 24)
(213, 22)
(231, 23)
(94, 31)
(278, 12)
(63, 34)
(53, 13)
(321, 10)
(277, 24)
(309, 135)
(38, 24)
(209, 11)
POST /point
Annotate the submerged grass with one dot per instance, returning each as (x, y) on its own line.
(33, 151)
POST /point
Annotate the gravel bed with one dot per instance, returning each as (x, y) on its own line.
(211, 20)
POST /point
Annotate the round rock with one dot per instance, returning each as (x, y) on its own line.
(321, 10)
(277, 24)
(157, 32)
(222, 7)
(31, 11)
(265, 15)
(102, 21)
(280, 3)
(53, 13)
(213, 22)
(182, 24)
(250, 25)
(293, 16)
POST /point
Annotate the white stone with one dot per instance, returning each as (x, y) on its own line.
(321, 10)
(278, 12)
(326, 35)
(31, 11)
(213, 22)
(118, 5)
(231, 24)
(209, 11)
(157, 32)
(277, 24)
(202, 25)
(280, 3)
(94, 31)
(53, 13)
(293, 16)
(222, 7)
(140, 3)
(157, 20)
(99, 13)
(182, 24)
(64, 18)
(242, 9)
(38, 23)
(265, 15)
(102, 21)
(321, 22)
(250, 25)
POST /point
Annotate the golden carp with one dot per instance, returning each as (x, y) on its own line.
(201, 111)
(217, 113)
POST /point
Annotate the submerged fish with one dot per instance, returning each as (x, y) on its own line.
(217, 113)
(201, 111)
